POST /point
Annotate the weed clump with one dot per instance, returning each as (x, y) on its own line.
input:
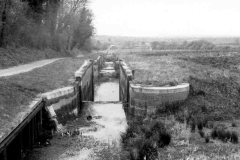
(164, 139)
(234, 137)
(224, 135)
(207, 139)
(214, 134)
(200, 126)
(201, 133)
(210, 125)
(148, 151)
(193, 127)
(234, 124)
(141, 141)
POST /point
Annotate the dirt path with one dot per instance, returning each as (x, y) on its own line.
(26, 67)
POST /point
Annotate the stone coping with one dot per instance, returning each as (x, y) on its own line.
(183, 87)
(83, 69)
(126, 68)
(58, 93)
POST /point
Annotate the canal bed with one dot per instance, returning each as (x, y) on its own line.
(98, 128)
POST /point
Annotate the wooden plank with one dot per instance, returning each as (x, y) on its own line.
(5, 154)
(21, 144)
(15, 132)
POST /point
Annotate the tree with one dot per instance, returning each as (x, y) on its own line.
(3, 20)
(84, 29)
(56, 24)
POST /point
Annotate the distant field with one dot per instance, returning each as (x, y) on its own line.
(214, 99)
(162, 67)
(216, 74)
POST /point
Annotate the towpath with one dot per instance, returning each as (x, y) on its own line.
(26, 67)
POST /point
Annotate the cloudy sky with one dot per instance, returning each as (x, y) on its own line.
(167, 18)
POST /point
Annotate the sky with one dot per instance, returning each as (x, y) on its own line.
(167, 18)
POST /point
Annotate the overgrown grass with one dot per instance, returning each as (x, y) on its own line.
(162, 68)
(213, 100)
(142, 139)
(184, 143)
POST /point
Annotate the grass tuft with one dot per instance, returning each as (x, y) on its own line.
(234, 124)
(234, 137)
(201, 133)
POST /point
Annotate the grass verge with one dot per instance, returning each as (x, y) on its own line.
(18, 90)
(11, 56)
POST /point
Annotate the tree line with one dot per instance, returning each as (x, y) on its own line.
(57, 24)
(189, 45)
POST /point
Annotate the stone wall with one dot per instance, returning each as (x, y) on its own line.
(63, 104)
(66, 103)
(145, 100)
(125, 76)
(141, 101)
(84, 78)
(100, 62)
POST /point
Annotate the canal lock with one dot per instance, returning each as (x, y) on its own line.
(94, 132)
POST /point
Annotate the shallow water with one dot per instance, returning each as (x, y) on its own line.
(110, 119)
(107, 91)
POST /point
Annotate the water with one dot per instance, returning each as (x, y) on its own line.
(108, 116)
(107, 111)
(107, 91)
(110, 120)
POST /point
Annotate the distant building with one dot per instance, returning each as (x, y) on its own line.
(112, 47)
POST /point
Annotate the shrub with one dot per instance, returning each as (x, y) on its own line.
(204, 122)
(234, 124)
(193, 127)
(221, 134)
(224, 135)
(207, 139)
(201, 133)
(131, 132)
(200, 125)
(210, 125)
(214, 133)
(158, 127)
(234, 137)
(142, 140)
(147, 131)
(164, 139)
(148, 151)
